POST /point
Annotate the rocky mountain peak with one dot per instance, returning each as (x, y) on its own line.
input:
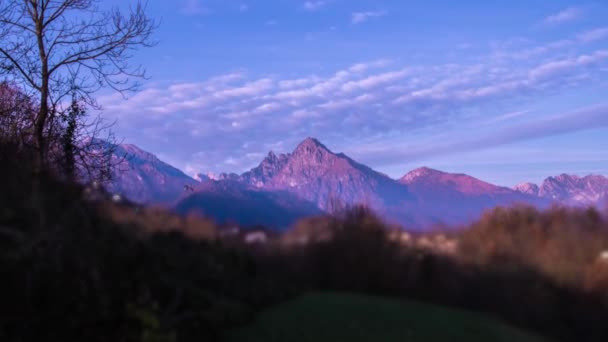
(527, 188)
(311, 146)
(564, 177)
(315, 173)
(421, 172)
(575, 190)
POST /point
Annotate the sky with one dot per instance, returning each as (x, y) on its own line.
(506, 91)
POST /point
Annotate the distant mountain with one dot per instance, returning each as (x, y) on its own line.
(457, 198)
(440, 183)
(527, 188)
(201, 177)
(330, 180)
(143, 178)
(314, 173)
(228, 201)
(421, 198)
(312, 179)
(591, 190)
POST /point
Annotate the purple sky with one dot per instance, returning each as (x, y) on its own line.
(507, 91)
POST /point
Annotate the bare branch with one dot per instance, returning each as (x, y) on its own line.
(48, 49)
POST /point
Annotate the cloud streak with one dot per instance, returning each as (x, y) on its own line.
(570, 122)
(193, 7)
(244, 114)
(314, 5)
(361, 17)
(564, 16)
(594, 35)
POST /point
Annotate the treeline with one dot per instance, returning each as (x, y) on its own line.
(541, 271)
(73, 269)
(68, 272)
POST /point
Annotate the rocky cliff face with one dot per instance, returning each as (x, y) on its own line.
(316, 174)
(527, 188)
(574, 190)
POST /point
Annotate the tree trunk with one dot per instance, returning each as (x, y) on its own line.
(44, 88)
(39, 126)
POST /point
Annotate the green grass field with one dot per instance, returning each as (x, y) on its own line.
(344, 317)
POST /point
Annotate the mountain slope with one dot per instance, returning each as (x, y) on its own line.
(316, 174)
(457, 198)
(425, 178)
(143, 178)
(228, 201)
(574, 190)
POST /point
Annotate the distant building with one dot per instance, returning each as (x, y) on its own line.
(256, 237)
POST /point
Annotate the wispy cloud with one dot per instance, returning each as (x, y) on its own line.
(561, 123)
(508, 116)
(593, 35)
(552, 68)
(370, 98)
(314, 5)
(244, 8)
(397, 89)
(374, 80)
(361, 17)
(193, 7)
(361, 67)
(566, 15)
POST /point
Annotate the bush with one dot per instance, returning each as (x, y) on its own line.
(562, 243)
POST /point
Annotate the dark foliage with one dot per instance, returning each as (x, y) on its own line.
(360, 257)
(71, 271)
(70, 274)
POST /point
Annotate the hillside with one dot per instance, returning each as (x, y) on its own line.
(228, 202)
(346, 317)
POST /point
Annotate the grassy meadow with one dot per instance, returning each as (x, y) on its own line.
(349, 317)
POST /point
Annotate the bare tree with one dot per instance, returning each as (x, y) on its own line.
(79, 147)
(58, 50)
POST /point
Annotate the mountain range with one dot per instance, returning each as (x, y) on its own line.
(312, 179)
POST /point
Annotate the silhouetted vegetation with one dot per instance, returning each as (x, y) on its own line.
(77, 269)
(491, 270)
(71, 273)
